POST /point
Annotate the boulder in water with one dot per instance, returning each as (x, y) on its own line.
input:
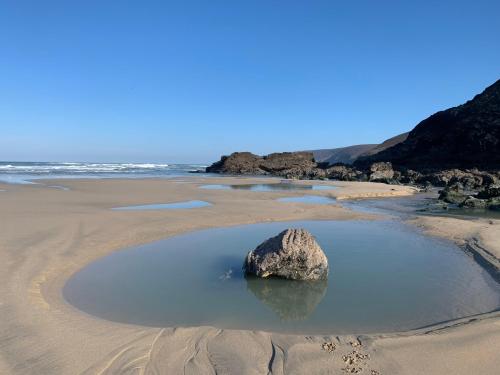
(292, 254)
(453, 194)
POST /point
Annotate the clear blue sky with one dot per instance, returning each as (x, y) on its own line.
(187, 81)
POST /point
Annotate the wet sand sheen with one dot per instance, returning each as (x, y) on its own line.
(280, 186)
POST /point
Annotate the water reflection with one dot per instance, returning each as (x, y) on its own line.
(267, 187)
(289, 299)
(308, 199)
(165, 206)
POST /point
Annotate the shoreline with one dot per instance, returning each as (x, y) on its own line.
(45, 285)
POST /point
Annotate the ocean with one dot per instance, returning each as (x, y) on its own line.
(25, 172)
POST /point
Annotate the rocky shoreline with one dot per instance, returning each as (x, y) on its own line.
(469, 188)
(457, 149)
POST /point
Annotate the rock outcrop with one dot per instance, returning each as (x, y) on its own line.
(453, 194)
(467, 136)
(490, 191)
(381, 172)
(292, 254)
(488, 197)
(284, 164)
(345, 173)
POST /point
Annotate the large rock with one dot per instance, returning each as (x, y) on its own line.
(292, 254)
(344, 173)
(490, 191)
(409, 176)
(381, 172)
(494, 204)
(237, 163)
(471, 179)
(285, 164)
(453, 194)
(472, 202)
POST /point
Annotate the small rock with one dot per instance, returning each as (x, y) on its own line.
(328, 347)
(355, 343)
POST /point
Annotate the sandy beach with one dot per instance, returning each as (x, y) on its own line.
(47, 234)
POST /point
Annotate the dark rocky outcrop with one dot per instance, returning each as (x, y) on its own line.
(345, 173)
(453, 194)
(488, 197)
(381, 172)
(237, 163)
(490, 191)
(472, 202)
(471, 179)
(292, 254)
(285, 164)
(467, 136)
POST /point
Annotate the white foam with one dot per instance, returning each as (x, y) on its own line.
(23, 172)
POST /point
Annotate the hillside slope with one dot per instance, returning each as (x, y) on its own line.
(346, 155)
(466, 136)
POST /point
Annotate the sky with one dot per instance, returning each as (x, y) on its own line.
(188, 81)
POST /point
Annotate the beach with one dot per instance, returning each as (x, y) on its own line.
(47, 234)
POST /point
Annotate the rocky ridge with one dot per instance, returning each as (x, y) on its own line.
(466, 136)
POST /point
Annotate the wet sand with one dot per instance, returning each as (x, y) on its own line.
(47, 234)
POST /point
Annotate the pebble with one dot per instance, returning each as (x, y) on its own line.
(328, 347)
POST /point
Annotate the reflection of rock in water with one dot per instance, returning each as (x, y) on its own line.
(290, 299)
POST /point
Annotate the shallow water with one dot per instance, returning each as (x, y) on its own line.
(418, 204)
(281, 186)
(466, 213)
(384, 276)
(308, 199)
(59, 187)
(166, 206)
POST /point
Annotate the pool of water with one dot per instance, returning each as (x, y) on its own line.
(59, 187)
(166, 206)
(281, 186)
(308, 199)
(418, 204)
(384, 276)
(465, 213)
